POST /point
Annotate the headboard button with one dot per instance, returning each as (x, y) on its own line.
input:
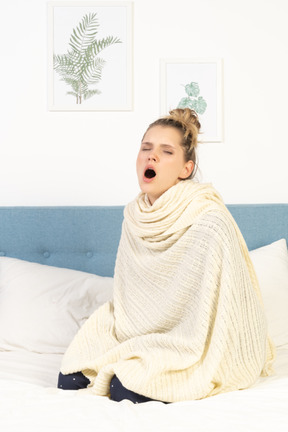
(46, 254)
(89, 254)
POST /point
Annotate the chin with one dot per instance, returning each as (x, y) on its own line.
(145, 189)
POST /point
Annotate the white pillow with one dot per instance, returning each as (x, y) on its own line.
(42, 307)
(271, 266)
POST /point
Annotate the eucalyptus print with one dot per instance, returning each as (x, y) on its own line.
(193, 100)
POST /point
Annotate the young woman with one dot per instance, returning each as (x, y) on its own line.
(186, 320)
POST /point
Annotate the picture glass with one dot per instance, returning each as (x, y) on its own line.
(194, 85)
(90, 56)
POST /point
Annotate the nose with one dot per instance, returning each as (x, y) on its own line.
(153, 157)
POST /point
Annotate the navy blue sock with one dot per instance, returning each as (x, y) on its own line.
(118, 392)
(73, 381)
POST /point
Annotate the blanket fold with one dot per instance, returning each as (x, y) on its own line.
(186, 320)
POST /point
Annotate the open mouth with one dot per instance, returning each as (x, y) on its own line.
(150, 173)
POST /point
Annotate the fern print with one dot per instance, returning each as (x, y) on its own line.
(81, 68)
(193, 100)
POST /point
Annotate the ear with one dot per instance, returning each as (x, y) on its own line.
(187, 170)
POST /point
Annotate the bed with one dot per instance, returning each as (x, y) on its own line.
(56, 268)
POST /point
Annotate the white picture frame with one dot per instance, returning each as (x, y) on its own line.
(197, 84)
(96, 35)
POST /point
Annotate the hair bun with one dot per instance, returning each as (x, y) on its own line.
(189, 121)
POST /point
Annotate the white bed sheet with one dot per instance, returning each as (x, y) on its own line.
(29, 401)
(29, 367)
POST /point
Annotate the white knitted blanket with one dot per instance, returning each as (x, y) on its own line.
(186, 320)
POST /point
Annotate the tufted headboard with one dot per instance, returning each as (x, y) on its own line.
(86, 238)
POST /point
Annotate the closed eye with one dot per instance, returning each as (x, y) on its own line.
(146, 146)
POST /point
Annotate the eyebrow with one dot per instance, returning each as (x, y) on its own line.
(162, 145)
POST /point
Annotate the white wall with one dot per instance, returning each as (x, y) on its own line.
(88, 158)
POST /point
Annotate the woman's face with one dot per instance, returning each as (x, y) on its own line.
(160, 162)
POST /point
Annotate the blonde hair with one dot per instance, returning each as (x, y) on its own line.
(187, 122)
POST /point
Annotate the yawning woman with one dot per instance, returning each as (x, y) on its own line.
(186, 320)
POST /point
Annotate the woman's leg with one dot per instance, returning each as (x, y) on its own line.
(118, 392)
(73, 381)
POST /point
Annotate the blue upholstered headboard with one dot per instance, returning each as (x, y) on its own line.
(86, 238)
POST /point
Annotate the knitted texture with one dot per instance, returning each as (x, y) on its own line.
(186, 321)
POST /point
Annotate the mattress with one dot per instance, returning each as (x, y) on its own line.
(30, 401)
